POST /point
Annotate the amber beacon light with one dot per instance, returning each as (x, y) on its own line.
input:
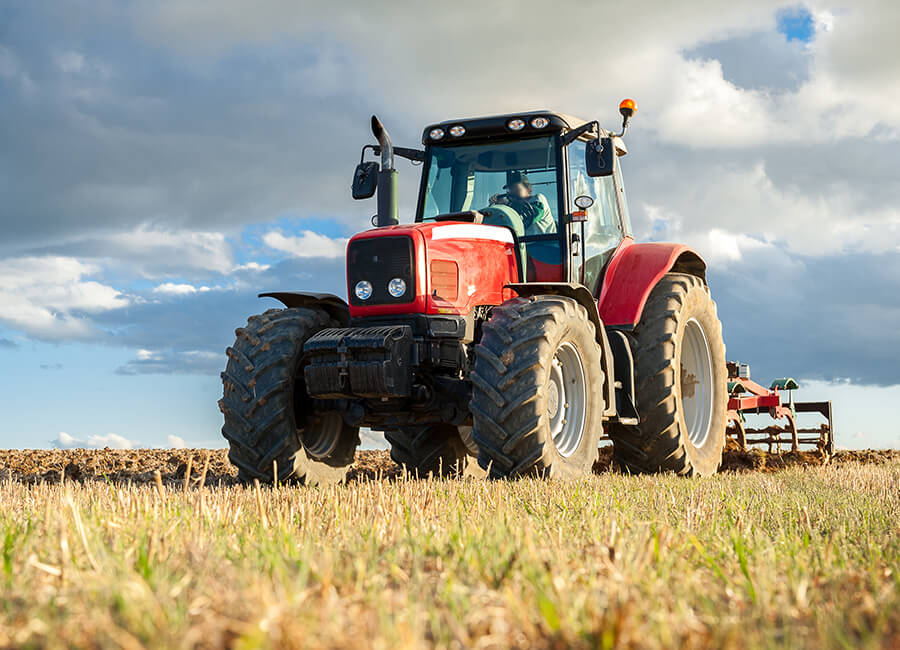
(627, 107)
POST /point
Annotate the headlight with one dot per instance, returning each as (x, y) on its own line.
(516, 124)
(540, 122)
(363, 290)
(396, 287)
(436, 134)
(457, 131)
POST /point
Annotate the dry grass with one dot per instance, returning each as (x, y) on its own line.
(804, 557)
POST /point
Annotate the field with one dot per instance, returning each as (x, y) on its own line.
(801, 556)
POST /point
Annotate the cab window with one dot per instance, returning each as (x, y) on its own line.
(513, 183)
(602, 230)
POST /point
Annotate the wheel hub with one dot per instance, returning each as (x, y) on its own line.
(566, 399)
(695, 383)
(553, 399)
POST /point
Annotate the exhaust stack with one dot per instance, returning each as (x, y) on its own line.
(387, 178)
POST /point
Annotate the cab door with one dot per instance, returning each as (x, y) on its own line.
(603, 230)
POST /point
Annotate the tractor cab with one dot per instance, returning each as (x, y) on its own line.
(553, 180)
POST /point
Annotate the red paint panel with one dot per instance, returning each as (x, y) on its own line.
(630, 277)
(485, 265)
(754, 402)
(540, 272)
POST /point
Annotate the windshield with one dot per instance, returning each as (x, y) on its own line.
(514, 183)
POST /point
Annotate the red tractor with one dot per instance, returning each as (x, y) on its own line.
(505, 330)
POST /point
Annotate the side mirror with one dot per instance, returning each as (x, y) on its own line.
(365, 180)
(599, 157)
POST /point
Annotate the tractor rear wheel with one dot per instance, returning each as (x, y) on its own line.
(537, 389)
(269, 418)
(681, 383)
(436, 449)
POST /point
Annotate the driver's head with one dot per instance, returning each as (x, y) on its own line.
(518, 186)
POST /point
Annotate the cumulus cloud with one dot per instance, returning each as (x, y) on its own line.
(51, 297)
(152, 252)
(253, 267)
(175, 442)
(169, 361)
(306, 244)
(111, 440)
(179, 289)
(153, 248)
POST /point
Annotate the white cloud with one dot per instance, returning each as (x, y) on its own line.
(307, 244)
(148, 362)
(175, 442)
(254, 267)
(741, 206)
(111, 440)
(179, 289)
(703, 109)
(50, 297)
(152, 250)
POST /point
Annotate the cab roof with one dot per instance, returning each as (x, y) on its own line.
(492, 126)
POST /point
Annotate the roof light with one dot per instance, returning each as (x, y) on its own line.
(540, 122)
(457, 131)
(516, 124)
(436, 134)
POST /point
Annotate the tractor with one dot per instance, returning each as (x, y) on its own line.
(504, 331)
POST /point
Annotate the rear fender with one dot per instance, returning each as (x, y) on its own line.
(333, 305)
(633, 272)
(583, 297)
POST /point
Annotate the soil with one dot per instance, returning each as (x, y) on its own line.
(140, 465)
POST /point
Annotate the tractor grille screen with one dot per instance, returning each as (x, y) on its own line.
(378, 261)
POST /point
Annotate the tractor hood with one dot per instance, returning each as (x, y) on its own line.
(430, 268)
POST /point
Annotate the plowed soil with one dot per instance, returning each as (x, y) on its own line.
(140, 465)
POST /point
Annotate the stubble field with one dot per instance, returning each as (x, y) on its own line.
(804, 555)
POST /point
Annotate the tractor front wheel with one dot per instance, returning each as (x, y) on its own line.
(537, 389)
(681, 383)
(270, 421)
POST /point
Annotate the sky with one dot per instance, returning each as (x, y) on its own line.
(162, 162)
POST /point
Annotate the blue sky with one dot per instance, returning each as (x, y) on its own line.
(162, 162)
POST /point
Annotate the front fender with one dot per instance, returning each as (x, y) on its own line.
(633, 272)
(335, 306)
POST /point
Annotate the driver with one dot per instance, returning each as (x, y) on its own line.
(533, 208)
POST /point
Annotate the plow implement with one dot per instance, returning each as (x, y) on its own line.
(748, 397)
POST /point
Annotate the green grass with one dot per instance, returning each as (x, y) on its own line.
(800, 558)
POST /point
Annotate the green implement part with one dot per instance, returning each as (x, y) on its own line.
(735, 388)
(785, 383)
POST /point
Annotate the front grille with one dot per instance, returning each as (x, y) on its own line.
(379, 260)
